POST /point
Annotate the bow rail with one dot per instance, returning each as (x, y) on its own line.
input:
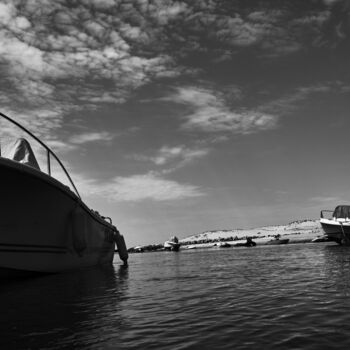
(49, 152)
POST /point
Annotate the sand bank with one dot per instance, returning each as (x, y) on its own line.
(303, 231)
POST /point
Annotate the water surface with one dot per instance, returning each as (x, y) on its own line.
(272, 297)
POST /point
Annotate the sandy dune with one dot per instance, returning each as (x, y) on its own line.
(297, 232)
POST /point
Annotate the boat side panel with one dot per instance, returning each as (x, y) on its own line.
(335, 229)
(41, 227)
(335, 232)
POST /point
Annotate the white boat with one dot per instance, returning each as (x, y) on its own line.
(320, 239)
(173, 244)
(336, 224)
(44, 225)
(278, 240)
(224, 245)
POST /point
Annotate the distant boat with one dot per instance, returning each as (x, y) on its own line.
(336, 224)
(173, 244)
(224, 245)
(138, 249)
(277, 240)
(44, 225)
(248, 243)
(320, 239)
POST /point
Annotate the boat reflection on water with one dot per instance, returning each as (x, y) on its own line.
(337, 270)
(74, 309)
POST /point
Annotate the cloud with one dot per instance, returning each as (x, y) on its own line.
(125, 45)
(103, 97)
(91, 137)
(210, 113)
(266, 30)
(288, 103)
(180, 153)
(56, 55)
(176, 157)
(40, 121)
(164, 11)
(214, 119)
(331, 2)
(326, 199)
(58, 58)
(138, 188)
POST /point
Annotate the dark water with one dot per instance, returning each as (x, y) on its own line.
(277, 297)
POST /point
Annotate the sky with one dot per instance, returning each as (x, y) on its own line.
(178, 117)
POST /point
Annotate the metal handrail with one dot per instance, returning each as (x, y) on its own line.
(48, 150)
(107, 218)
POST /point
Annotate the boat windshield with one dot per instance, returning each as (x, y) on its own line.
(21, 151)
(342, 211)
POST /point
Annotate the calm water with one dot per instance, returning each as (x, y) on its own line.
(278, 297)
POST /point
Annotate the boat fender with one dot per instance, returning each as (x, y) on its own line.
(121, 246)
(79, 228)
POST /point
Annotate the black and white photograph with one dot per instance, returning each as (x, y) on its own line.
(174, 174)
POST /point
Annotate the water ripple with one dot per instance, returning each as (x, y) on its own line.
(291, 297)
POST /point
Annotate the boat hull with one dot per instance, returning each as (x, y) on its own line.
(44, 227)
(172, 246)
(246, 244)
(279, 241)
(336, 231)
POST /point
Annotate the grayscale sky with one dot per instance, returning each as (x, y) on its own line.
(176, 117)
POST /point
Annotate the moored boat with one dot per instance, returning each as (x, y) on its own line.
(249, 243)
(173, 244)
(44, 225)
(336, 224)
(278, 240)
(224, 245)
(320, 239)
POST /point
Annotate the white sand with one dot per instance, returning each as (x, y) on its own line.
(297, 232)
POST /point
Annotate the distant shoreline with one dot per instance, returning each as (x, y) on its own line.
(301, 231)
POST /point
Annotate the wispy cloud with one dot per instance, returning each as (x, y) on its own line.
(43, 47)
(272, 31)
(91, 137)
(288, 103)
(137, 188)
(182, 153)
(41, 123)
(177, 154)
(65, 57)
(326, 200)
(107, 49)
(216, 119)
(209, 112)
(331, 2)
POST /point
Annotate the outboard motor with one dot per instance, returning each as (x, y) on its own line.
(121, 246)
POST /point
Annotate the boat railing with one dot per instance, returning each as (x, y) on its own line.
(107, 218)
(49, 152)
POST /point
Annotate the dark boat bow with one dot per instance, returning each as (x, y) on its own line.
(44, 225)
